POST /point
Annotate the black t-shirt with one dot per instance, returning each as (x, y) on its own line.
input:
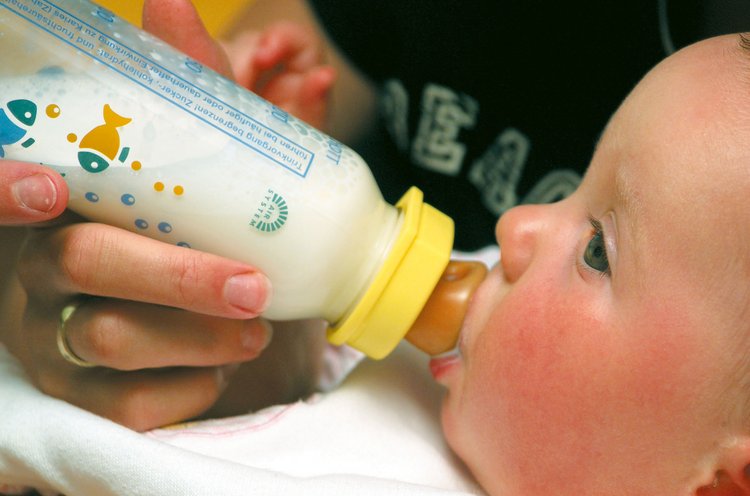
(488, 104)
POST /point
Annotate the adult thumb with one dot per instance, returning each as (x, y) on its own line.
(30, 193)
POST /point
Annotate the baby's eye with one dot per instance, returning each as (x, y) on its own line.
(595, 254)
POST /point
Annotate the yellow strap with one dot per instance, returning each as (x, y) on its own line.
(216, 15)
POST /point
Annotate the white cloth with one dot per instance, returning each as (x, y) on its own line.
(378, 433)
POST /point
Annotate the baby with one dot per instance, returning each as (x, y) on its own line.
(607, 353)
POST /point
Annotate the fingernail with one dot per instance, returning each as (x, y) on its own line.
(249, 292)
(36, 192)
(257, 335)
(223, 373)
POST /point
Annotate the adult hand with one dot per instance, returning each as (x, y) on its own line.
(156, 362)
(283, 63)
(163, 325)
(30, 193)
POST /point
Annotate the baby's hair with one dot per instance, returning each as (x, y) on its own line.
(744, 367)
(743, 44)
(745, 41)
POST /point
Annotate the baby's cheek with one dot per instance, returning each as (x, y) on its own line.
(670, 363)
(532, 390)
(534, 341)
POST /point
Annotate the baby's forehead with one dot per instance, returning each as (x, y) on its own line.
(675, 164)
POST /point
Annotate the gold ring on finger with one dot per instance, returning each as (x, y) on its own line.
(63, 345)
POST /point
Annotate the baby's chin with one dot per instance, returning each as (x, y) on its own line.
(464, 449)
(450, 423)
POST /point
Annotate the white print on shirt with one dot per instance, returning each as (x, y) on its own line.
(436, 147)
(395, 109)
(555, 186)
(496, 175)
(497, 172)
(444, 114)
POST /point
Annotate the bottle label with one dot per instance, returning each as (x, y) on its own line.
(271, 214)
(182, 81)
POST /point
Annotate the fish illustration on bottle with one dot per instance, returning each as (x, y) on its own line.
(100, 145)
(24, 111)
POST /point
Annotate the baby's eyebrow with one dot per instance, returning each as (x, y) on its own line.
(624, 193)
(628, 202)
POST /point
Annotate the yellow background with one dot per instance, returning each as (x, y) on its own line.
(216, 14)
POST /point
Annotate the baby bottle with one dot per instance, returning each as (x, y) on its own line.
(152, 141)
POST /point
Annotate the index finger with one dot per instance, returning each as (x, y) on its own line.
(102, 260)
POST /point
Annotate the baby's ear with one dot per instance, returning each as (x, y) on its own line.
(732, 472)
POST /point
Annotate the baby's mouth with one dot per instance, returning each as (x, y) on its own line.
(479, 298)
(436, 330)
(442, 364)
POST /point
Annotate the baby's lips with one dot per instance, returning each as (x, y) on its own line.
(437, 327)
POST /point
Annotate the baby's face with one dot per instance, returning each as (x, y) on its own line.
(598, 355)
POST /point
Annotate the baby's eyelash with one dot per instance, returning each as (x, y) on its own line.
(596, 225)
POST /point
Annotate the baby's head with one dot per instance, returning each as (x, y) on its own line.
(609, 351)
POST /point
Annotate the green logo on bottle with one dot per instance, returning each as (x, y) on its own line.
(271, 214)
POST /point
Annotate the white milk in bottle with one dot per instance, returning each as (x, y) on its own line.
(152, 141)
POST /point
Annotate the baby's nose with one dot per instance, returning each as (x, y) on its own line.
(517, 234)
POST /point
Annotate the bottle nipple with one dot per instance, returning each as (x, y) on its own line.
(437, 327)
